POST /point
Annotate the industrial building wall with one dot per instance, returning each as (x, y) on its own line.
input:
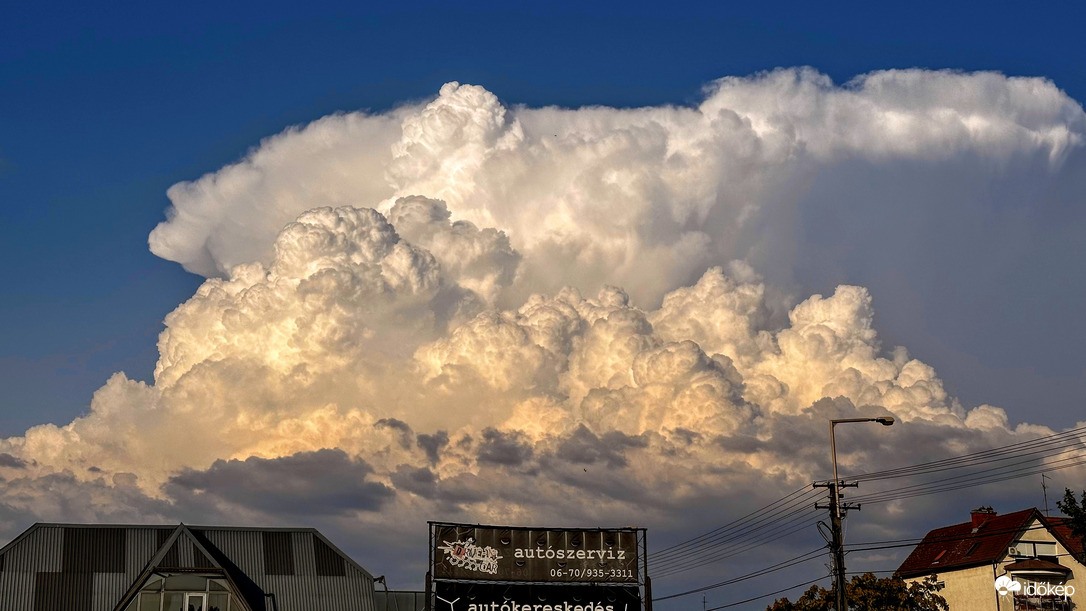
(399, 600)
(297, 567)
(91, 567)
(72, 567)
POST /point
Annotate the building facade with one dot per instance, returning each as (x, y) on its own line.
(1020, 560)
(69, 567)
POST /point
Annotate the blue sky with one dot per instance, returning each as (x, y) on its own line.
(104, 107)
(974, 266)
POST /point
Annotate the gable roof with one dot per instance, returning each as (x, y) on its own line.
(1061, 529)
(964, 545)
(166, 558)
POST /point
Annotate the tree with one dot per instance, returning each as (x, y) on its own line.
(869, 593)
(1076, 511)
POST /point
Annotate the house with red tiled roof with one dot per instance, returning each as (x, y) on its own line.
(1020, 560)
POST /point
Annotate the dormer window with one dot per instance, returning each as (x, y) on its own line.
(186, 591)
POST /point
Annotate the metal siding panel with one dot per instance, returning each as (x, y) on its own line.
(93, 550)
(184, 548)
(67, 591)
(199, 560)
(42, 551)
(365, 588)
(305, 584)
(299, 592)
(161, 536)
(296, 587)
(274, 584)
(304, 562)
(38, 552)
(243, 548)
(399, 600)
(18, 589)
(173, 555)
(286, 591)
(328, 562)
(278, 553)
(350, 592)
(141, 546)
(108, 589)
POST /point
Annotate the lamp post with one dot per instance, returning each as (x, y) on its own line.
(835, 510)
(381, 580)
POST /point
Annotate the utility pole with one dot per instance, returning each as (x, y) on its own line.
(1044, 490)
(837, 537)
(838, 509)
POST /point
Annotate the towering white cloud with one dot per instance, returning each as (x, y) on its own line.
(461, 309)
(645, 198)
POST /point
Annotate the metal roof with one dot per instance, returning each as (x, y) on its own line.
(102, 566)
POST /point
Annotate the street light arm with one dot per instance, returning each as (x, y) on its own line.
(835, 511)
(884, 420)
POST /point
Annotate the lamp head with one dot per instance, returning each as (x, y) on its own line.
(885, 420)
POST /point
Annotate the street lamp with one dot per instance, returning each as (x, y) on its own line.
(835, 509)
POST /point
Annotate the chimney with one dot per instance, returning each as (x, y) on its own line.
(980, 515)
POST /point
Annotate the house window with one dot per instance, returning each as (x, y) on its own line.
(1048, 603)
(1044, 550)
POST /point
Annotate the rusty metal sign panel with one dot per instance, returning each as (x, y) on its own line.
(537, 555)
(472, 596)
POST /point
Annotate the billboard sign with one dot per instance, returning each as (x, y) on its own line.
(469, 596)
(537, 555)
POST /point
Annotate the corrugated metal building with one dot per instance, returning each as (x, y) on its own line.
(71, 567)
(399, 600)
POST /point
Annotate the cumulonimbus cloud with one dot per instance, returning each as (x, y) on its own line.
(477, 311)
(643, 198)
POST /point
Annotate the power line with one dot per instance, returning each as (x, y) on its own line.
(896, 543)
(976, 458)
(740, 550)
(770, 569)
(1045, 445)
(691, 543)
(740, 602)
(945, 485)
(792, 587)
(709, 549)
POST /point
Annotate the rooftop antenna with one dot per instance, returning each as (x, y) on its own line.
(1044, 490)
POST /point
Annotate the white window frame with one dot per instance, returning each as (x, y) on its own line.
(194, 595)
(1028, 549)
(205, 596)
